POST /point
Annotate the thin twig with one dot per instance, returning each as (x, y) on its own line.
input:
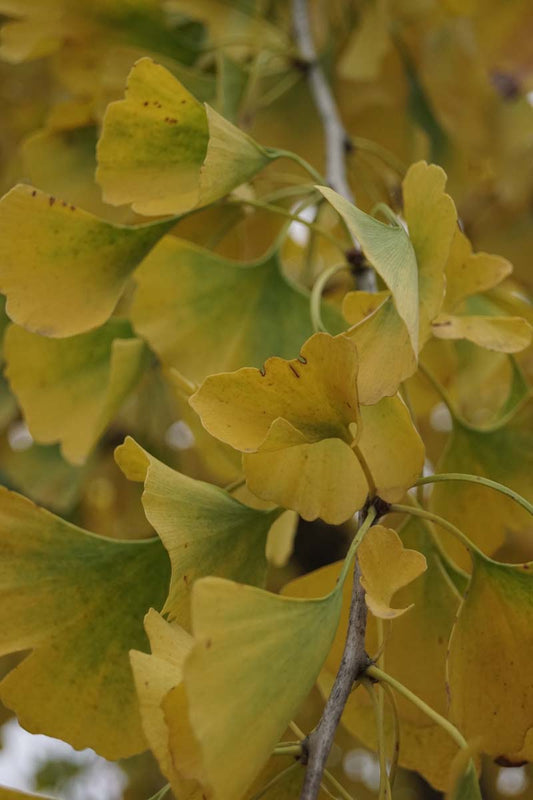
(338, 143)
(354, 662)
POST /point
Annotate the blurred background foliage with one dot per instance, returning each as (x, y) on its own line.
(450, 81)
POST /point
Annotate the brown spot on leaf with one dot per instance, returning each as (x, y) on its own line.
(34, 193)
(145, 103)
(441, 324)
(262, 371)
(505, 761)
(294, 370)
(51, 200)
(208, 644)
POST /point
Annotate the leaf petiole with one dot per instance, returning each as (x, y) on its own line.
(443, 523)
(451, 730)
(316, 296)
(499, 487)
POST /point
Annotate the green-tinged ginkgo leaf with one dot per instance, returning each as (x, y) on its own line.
(432, 220)
(237, 314)
(244, 683)
(67, 276)
(391, 448)
(386, 566)
(315, 393)
(155, 675)
(504, 455)
(204, 529)
(375, 326)
(77, 600)
(504, 334)
(491, 651)
(166, 153)
(389, 250)
(70, 389)
(468, 273)
(415, 654)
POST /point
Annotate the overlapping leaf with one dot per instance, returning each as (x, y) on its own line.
(241, 678)
(165, 153)
(237, 314)
(67, 277)
(70, 389)
(492, 641)
(297, 423)
(204, 529)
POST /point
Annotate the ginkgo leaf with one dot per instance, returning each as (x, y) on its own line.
(316, 393)
(77, 600)
(237, 314)
(281, 537)
(504, 455)
(164, 152)
(391, 448)
(375, 324)
(386, 566)
(492, 641)
(155, 675)
(241, 678)
(67, 277)
(323, 479)
(504, 334)
(389, 250)
(432, 221)
(468, 273)
(70, 389)
(204, 529)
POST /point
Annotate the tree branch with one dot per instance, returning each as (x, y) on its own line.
(353, 663)
(338, 141)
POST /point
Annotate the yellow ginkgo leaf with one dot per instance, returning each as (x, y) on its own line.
(386, 356)
(166, 153)
(155, 675)
(237, 314)
(204, 529)
(67, 277)
(432, 220)
(504, 334)
(386, 566)
(468, 273)
(281, 537)
(323, 479)
(70, 389)
(389, 250)
(367, 44)
(77, 601)
(390, 447)
(243, 683)
(491, 651)
(315, 393)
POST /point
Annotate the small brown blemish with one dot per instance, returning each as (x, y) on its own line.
(185, 545)
(33, 194)
(525, 566)
(293, 369)
(208, 644)
(51, 200)
(64, 204)
(145, 103)
(73, 208)
(171, 120)
(444, 324)
(262, 371)
(186, 580)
